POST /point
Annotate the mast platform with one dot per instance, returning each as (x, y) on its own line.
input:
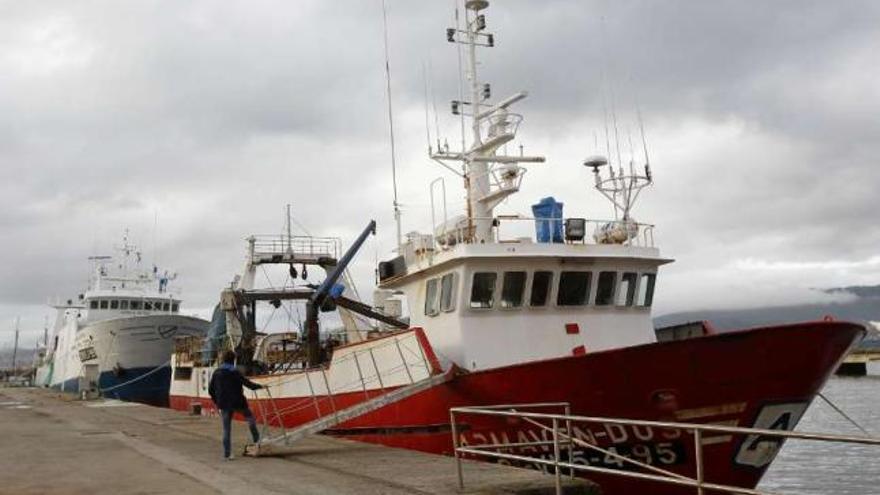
(285, 249)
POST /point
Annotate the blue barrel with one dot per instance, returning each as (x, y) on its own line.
(548, 220)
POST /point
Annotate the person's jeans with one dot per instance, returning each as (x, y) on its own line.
(227, 428)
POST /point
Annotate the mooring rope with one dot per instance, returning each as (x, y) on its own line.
(840, 411)
(154, 370)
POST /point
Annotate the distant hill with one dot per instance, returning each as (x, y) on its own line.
(25, 357)
(863, 291)
(864, 308)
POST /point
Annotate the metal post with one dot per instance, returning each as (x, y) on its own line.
(557, 474)
(424, 357)
(570, 440)
(403, 360)
(314, 397)
(455, 445)
(361, 375)
(376, 367)
(698, 457)
(329, 393)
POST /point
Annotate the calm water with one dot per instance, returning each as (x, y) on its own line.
(805, 467)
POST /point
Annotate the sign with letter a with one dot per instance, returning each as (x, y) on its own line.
(759, 450)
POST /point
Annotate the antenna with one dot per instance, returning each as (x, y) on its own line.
(632, 153)
(642, 130)
(289, 231)
(434, 105)
(460, 80)
(15, 347)
(614, 123)
(155, 237)
(427, 114)
(391, 123)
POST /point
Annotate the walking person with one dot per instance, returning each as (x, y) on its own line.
(228, 396)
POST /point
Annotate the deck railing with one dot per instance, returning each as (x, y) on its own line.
(272, 245)
(560, 428)
(447, 235)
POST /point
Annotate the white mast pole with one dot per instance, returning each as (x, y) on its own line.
(478, 171)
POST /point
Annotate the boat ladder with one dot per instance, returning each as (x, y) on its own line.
(281, 444)
(399, 371)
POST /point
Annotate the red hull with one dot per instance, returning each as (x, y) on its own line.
(730, 377)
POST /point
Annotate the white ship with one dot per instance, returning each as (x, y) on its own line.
(115, 339)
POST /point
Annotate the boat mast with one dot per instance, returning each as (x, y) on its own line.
(489, 178)
(478, 173)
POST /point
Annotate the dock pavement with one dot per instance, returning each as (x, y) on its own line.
(52, 443)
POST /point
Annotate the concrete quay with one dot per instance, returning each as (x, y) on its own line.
(55, 444)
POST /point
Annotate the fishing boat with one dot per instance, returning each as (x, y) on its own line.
(115, 338)
(563, 316)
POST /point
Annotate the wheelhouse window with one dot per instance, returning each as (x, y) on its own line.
(447, 293)
(93, 304)
(605, 288)
(174, 307)
(135, 305)
(104, 304)
(123, 304)
(646, 290)
(483, 290)
(512, 288)
(627, 292)
(432, 303)
(165, 306)
(114, 304)
(183, 373)
(573, 288)
(148, 305)
(541, 282)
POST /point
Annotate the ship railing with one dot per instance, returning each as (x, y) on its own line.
(269, 245)
(500, 123)
(370, 373)
(560, 438)
(644, 235)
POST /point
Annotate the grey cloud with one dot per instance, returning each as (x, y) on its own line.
(214, 115)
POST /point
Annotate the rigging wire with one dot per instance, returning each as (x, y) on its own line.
(427, 114)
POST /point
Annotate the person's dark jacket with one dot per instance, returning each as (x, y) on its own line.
(225, 388)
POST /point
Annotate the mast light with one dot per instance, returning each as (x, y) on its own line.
(481, 22)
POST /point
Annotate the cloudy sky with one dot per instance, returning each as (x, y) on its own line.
(193, 123)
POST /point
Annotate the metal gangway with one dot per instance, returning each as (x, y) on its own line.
(410, 373)
(561, 439)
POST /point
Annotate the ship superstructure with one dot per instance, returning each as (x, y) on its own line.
(580, 285)
(116, 337)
